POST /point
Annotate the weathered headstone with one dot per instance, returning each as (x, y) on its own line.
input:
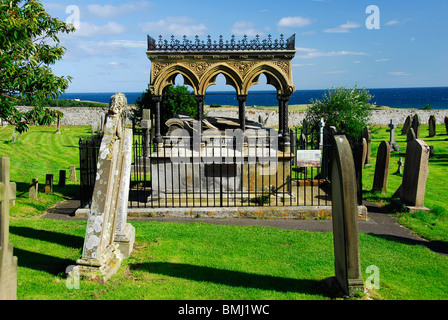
(415, 174)
(14, 137)
(364, 151)
(432, 126)
(345, 218)
(62, 178)
(34, 189)
(446, 123)
(393, 144)
(400, 166)
(72, 176)
(406, 126)
(382, 168)
(8, 263)
(49, 183)
(58, 130)
(125, 232)
(368, 136)
(410, 135)
(416, 125)
(101, 256)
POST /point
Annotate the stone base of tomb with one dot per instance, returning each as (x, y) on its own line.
(103, 267)
(8, 274)
(125, 240)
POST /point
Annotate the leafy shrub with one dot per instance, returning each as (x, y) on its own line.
(348, 110)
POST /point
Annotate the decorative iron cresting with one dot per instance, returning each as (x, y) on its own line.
(233, 45)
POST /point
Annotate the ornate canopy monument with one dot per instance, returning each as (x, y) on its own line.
(240, 61)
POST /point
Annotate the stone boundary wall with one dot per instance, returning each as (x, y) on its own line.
(76, 116)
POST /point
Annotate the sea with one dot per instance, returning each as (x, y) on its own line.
(435, 97)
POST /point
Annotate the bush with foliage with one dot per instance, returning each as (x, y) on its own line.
(175, 100)
(348, 110)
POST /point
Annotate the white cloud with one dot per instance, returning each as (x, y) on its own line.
(302, 64)
(109, 11)
(178, 26)
(399, 73)
(292, 22)
(307, 53)
(87, 29)
(343, 28)
(382, 60)
(392, 22)
(116, 65)
(337, 72)
(115, 47)
(247, 28)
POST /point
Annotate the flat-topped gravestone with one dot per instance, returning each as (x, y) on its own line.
(8, 263)
(345, 218)
(432, 126)
(62, 178)
(382, 168)
(49, 183)
(406, 126)
(72, 176)
(415, 174)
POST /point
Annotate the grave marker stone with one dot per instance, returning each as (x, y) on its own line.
(393, 144)
(72, 176)
(34, 189)
(62, 178)
(400, 165)
(8, 263)
(367, 134)
(446, 123)
(101, 256)
(382, 168)
(364, 151)
(49, 183)
(410, 135)
(406, 126)
(416, 125)
(415, 174)
(432, 126)
(345, 218)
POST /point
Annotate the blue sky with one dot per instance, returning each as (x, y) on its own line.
(334, 46)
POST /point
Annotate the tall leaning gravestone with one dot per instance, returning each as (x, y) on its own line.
(345, 218)
(8, 263)
(103, 252)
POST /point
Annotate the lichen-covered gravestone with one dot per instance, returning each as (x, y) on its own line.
(8, 263)
(382, 168)
(345, 218)
(101, 255)
(415, 174)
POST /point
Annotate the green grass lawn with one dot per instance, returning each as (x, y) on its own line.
(202, 261)
(433, 225)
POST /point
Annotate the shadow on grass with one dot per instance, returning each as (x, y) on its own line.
(41, 262)
(440, 247)
(63, 239)
(235, 278)
(70, 191)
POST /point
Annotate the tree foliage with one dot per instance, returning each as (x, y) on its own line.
(175, 100)
(348, 110)
(29, 44)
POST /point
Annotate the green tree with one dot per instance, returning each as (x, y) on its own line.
(175, 100)
(29, 44)
(348, 110)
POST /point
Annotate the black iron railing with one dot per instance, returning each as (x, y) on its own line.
(256, 44)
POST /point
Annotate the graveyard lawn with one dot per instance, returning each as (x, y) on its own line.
(198, 261)
(201, 261)
(430, 225)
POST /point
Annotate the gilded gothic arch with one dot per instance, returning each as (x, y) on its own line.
(241, 62)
